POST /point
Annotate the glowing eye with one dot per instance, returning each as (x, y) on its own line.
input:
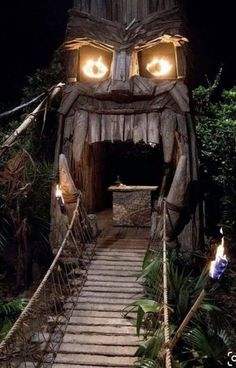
(159, 67)
(95, 68)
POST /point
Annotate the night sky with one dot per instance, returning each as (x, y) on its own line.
(31, 30)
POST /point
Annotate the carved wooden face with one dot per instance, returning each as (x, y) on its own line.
(125, 82)
(124, 85)
(121, 39)
(128, 74)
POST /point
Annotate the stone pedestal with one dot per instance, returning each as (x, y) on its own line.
(132, 205)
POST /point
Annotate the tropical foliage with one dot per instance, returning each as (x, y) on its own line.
(204, 342)
(215, 113)
(25, 182)
(8, 314)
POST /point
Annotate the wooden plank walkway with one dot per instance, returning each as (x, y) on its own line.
(97, 334)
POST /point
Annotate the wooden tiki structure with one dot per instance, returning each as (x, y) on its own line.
(125, 67)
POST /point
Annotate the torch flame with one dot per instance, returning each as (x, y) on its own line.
(59, 193)
(159, 67)
(219, 255)
(95, 68)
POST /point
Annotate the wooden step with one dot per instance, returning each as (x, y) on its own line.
(116, 253)
(116, 267)
(97, 307)
(111, 278)
(97, 300)
(113, 284)
(110, 287)
(97, 313)
(107, 257)
(101, 321)
(101, 339)
(121, 248)
(113, 241)
(114, 330)
(66, 365)
(107, 295)
(94, 360)
(114, 289)
(114, 272)
(108, 350)
(117, 263)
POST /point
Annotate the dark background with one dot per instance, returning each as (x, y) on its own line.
(31, 30)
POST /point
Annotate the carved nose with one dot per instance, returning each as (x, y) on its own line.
(121, 73)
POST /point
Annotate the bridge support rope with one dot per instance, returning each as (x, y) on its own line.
(165, 294)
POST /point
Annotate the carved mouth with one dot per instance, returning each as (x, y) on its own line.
(153, 119)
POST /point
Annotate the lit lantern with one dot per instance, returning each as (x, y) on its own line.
(159, 61)
(94, 63)
(95, 68)
(218, 266)
(159, 67)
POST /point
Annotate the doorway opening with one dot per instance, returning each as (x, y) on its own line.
(101, 163)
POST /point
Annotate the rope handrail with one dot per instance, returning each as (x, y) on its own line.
(165, 294)
(36, 334)
(9, 141)
(36, 295)
(28, 103)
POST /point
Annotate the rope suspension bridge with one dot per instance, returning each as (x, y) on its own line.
(37, 333)
(74, 318)
(77, 317)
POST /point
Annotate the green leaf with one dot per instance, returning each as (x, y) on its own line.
(147, 305)
(144, 306)
(13, 307)
(140, 315)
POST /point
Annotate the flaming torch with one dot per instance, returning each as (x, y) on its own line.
(217, 267)
(220, 262)
(60, 199)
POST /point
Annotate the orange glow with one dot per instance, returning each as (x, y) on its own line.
(95, 68)
(219, 255)
(59, 193)
(159, 67)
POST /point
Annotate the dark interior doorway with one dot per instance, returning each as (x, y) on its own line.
(102, 162)
(135, 164)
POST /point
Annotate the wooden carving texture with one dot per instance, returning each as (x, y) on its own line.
(127, 106)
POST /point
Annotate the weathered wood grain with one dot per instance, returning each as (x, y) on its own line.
(71, 65)
(98, 349)
(80, 134)
(68, 139)
(168, 127)
(177, 195)
(93, 359)
(102, 339)
(153, 126)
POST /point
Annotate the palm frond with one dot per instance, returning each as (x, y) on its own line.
(148, 363)
(5, 233)
(145, 306)
(13, 307)
(209, 343)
